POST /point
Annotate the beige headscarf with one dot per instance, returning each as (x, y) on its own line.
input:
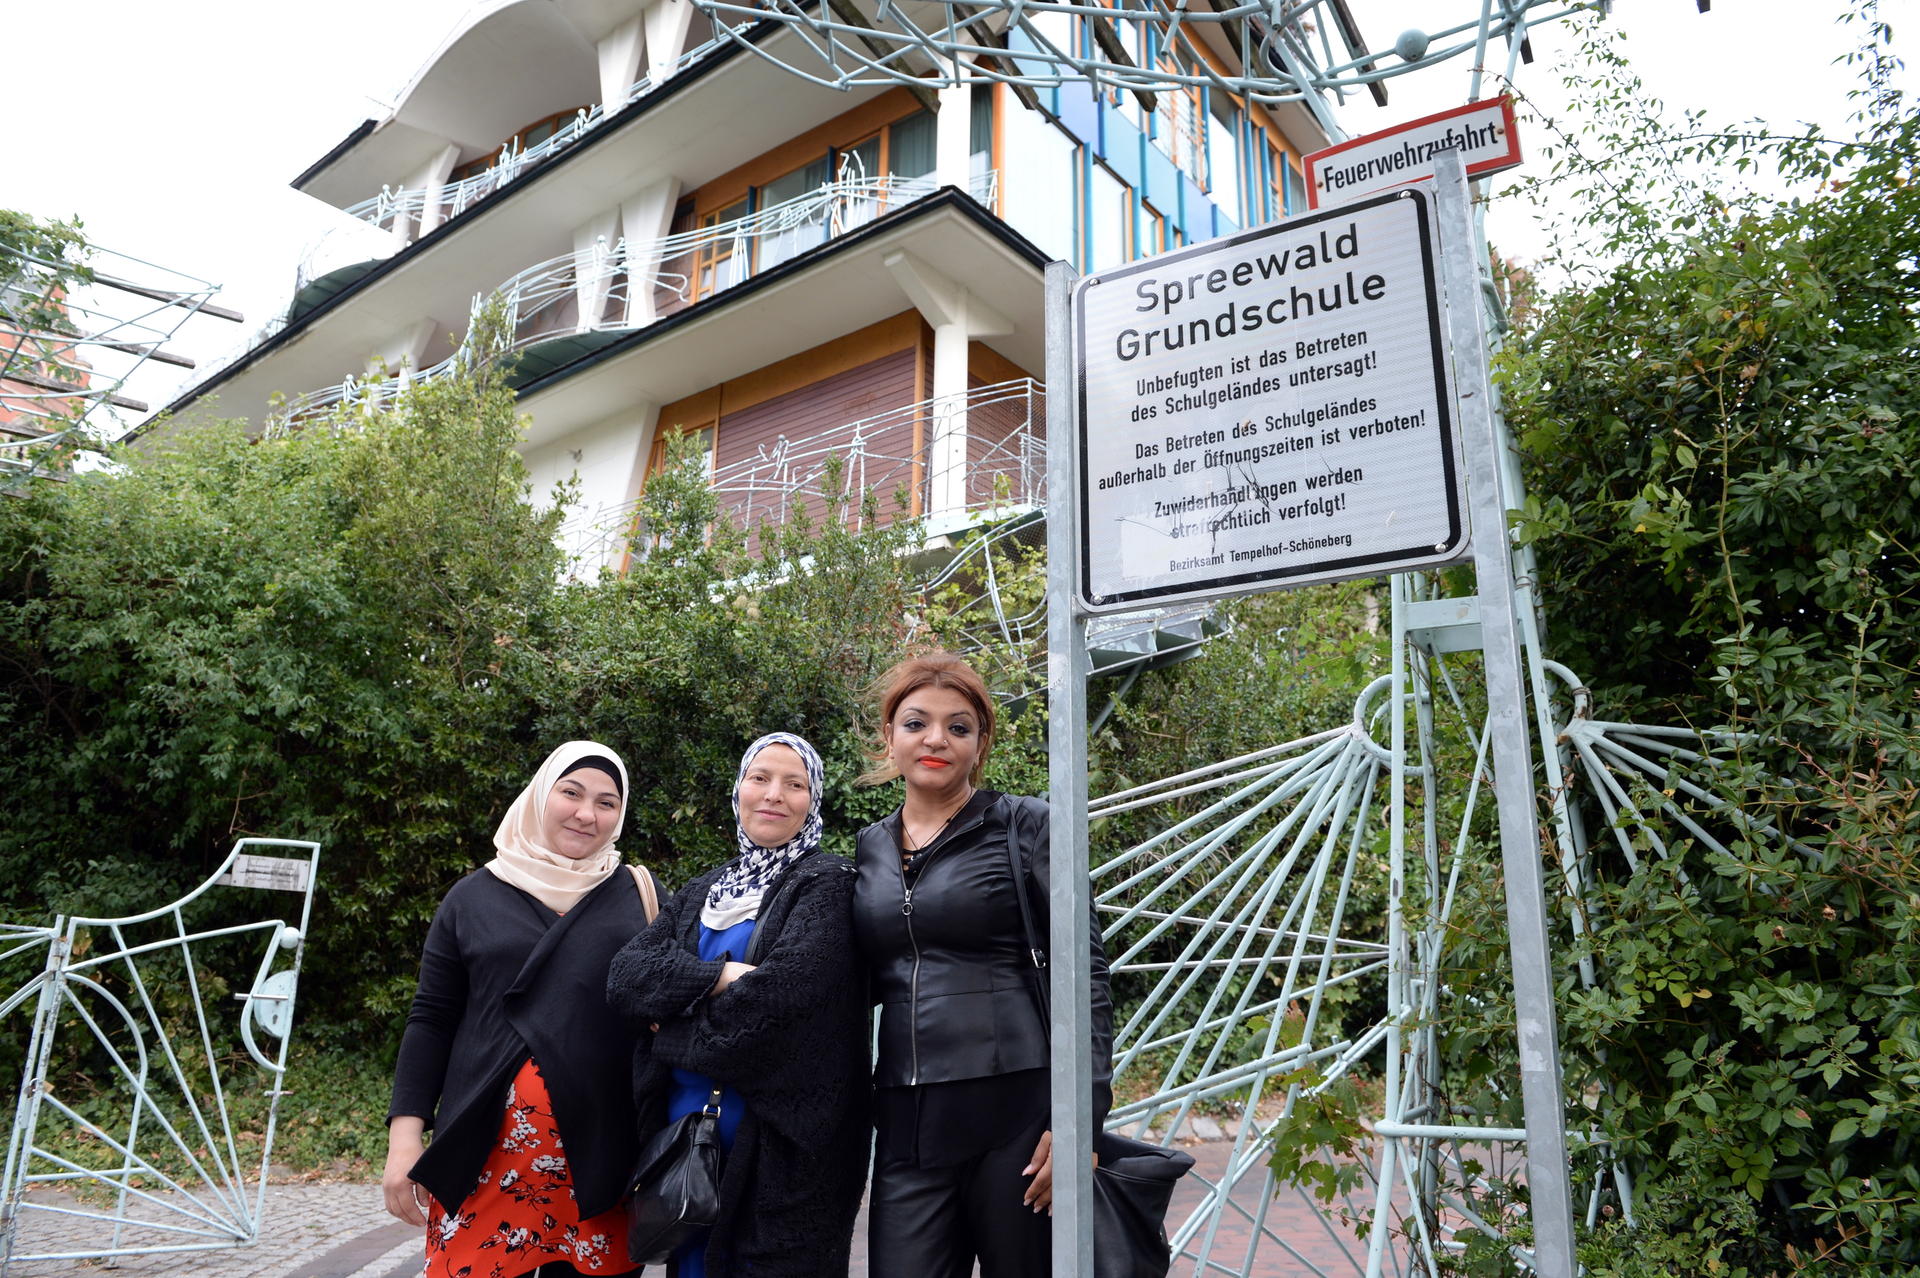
(522, 859)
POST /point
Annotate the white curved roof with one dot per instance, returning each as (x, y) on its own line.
(505, 64)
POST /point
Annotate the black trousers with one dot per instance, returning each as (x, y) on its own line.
(933, 1222)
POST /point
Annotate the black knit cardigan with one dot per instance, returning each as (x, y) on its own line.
(791, 1038)
(503, 978)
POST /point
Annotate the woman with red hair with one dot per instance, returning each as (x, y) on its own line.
(963, 1168)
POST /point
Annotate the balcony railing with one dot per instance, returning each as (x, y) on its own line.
(1003, 470)
(713, 258)
(1004, 477)
(399, 212)
(541, 301)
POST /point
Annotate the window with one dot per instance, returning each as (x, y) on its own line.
(1110, 217)
(791, 216)
(1296, 189)
(1223, 151)
(980, 135)
(715, 266)
(525, 140)
(664, 439)
(1041, 204)
(642, 540)
(799, 228)
(910, 146)
(1177, 116)
(1153, 231)
(902, 151)
(1273, 172)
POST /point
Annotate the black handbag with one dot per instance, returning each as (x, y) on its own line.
(1133, 1183)
(675, 1191)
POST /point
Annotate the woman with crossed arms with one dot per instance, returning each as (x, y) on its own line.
(783, 1039)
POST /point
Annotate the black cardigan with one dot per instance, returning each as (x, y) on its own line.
(791, 1038)
(503, 978)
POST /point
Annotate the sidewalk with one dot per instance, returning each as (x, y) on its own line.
(340, 1231)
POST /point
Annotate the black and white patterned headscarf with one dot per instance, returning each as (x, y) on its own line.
(736, 894)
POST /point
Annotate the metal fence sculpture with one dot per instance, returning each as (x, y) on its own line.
(154, 1161)
(1233, 927)
(1309, 52)
(74, 328)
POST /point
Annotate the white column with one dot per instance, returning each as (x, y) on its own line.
(645, 220)
(957, 317)
(619, 52)
(593, 249)
(430, 181)
(947, 459)
(666, 25)
(406, 351)
(953, 138)
(609, 460)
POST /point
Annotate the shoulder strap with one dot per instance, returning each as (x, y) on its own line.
(1036, 981)
(649, 894)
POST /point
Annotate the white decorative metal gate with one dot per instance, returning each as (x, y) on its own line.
(134, 1000)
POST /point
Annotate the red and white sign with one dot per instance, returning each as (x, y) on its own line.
(1394, 157)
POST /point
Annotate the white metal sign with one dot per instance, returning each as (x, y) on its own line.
(287, 874)
(1267, 409)
(1483, 131)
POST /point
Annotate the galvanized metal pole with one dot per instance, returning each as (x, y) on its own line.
(1540, 1083)
(33, 1085)
(1067, 758)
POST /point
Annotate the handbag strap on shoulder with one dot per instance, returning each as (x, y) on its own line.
(713, 1102)
(649, 894)
(1035, 951)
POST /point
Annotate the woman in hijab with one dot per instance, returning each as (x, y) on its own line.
(510, 1054)
(784, 1039)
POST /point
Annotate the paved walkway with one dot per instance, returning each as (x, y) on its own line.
(340, 1231)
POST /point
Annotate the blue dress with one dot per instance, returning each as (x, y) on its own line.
(689, 1091)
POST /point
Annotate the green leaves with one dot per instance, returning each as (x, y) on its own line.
(293, 636)
(1721, 436)
(1317, 1146)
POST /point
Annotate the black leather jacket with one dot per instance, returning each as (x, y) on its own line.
(946, 952)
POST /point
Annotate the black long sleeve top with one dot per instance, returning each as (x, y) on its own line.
(504, 978)
(790, 1037)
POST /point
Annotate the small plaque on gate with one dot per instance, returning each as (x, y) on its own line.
(283, 873)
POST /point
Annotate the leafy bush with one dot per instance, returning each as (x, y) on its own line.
(311, 635)
(1723, 452)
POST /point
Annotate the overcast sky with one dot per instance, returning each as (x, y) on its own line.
(172, 130)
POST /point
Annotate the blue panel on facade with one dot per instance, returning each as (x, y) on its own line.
(1123, 143)
(1222, 224)
(1163, 183)
(1196, 210)
(1018, 43)
(1080, 111)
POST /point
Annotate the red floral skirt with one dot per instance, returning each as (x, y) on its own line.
(522, 1213)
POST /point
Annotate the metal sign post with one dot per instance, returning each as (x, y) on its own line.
(1068, 890)
(1349, 432)
(1540, 1083)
